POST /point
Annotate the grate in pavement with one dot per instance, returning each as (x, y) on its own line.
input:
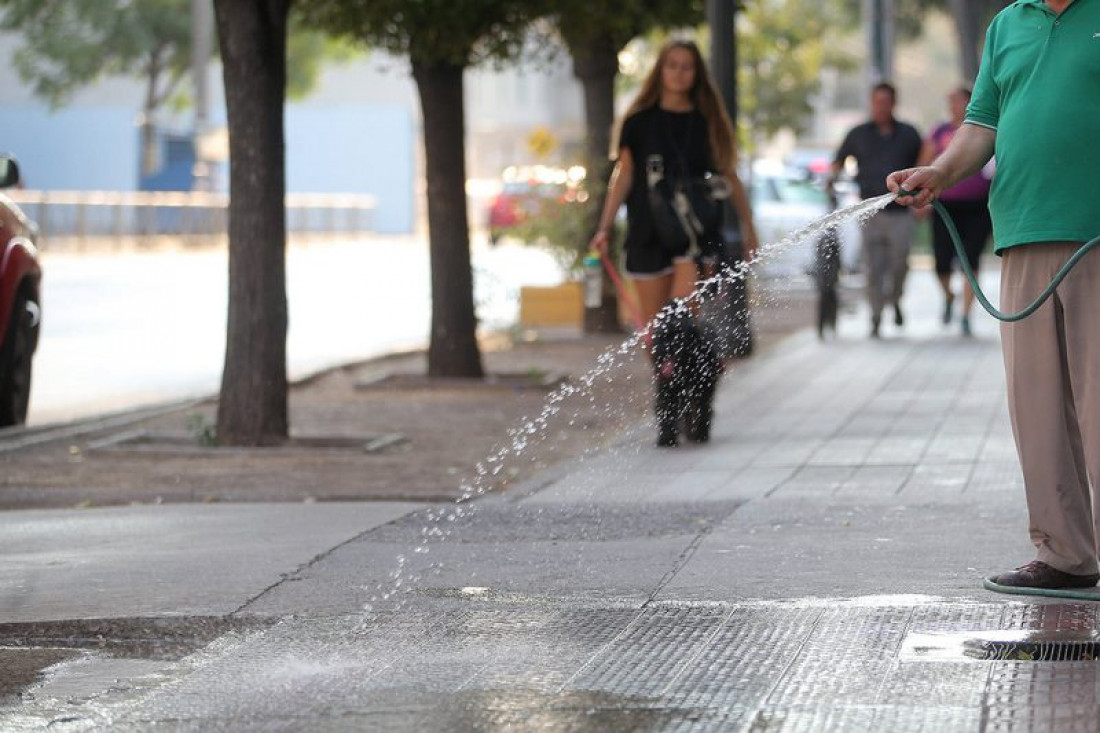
(1056, 645)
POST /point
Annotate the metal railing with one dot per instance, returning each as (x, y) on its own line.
(143, 217)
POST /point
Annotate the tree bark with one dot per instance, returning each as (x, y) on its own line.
(252, 407)
(453, 349)
(971, 19)
(149, 109)
(596, 67)
(968, 16)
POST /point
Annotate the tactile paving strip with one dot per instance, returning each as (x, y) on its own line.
(668, 666)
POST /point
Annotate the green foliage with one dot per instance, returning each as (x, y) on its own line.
(908, 14)
(69, 44)
(560, 227)
(429, 32)
(563, 229)
(307, 52)
(782, 48)
(584, 23)
(204, 432)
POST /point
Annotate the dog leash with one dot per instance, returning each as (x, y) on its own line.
(964, 263)
(620, 290)
(626, 298)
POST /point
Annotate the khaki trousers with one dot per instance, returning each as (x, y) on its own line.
(886, 238)
(1052, 364)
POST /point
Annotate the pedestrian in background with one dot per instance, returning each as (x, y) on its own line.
(968, 204)
(879, 146)
(1036, 106)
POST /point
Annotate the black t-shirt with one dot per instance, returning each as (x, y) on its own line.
(681, 139)
(879, 155)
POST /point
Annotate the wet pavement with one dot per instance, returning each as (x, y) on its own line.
(816, 567)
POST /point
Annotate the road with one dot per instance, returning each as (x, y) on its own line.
(126, 329)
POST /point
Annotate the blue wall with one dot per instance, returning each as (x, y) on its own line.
(343, 149)
(355, 149)
(85, 148)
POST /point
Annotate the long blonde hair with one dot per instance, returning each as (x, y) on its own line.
(704, 97)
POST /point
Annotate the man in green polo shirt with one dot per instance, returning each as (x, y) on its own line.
(1036, 104)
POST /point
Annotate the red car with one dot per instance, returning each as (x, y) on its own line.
(20, 299)
(517, 201)
(527, 190)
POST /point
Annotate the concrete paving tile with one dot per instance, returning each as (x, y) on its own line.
(786, 453)
(897, 450)
(842, 451)
(140, 560)
(695, 486)
(751, 483)
(874, 481)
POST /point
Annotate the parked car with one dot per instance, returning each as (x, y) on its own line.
(20, 301)
(784, 200)
(524, 191)
(810, 163)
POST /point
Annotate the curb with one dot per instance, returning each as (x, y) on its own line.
(21, 436)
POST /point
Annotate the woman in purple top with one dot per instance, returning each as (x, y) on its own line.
(967, 202)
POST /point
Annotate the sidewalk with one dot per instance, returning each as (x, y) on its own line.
(817, 566)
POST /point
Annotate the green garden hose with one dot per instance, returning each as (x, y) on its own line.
(941, 210)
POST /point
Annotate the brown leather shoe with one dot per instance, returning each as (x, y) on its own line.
(1038, 574)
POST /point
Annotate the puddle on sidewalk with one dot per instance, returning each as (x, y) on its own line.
(489, 709)
(23, 667)
(71, 661)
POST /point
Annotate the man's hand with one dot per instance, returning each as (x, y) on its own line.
(925, 182)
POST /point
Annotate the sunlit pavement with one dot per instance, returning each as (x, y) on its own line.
(817, 566)
(134, 328)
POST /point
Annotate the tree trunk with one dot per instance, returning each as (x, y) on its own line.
(971, 18)
(968, 16)
(252, 408)
(148, 127)
(596, 66)
(453, 349)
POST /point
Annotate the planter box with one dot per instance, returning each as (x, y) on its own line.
(551, 306)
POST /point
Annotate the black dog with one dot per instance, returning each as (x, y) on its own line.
(686, 366)
(826, 275)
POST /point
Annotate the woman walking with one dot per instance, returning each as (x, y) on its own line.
(968, 203)
(675, 136)
(678, 116)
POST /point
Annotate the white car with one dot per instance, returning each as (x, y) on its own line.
(784, 202)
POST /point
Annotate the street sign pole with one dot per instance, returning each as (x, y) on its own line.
(878, 18)
(202, 41)
(731, 311)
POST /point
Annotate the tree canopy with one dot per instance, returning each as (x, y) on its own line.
(583, 22)
(783, 47)
(429, 32)
(68, 44)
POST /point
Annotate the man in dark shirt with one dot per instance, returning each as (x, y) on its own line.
(880, 147)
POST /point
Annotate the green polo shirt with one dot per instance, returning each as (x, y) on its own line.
(1039, 88)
